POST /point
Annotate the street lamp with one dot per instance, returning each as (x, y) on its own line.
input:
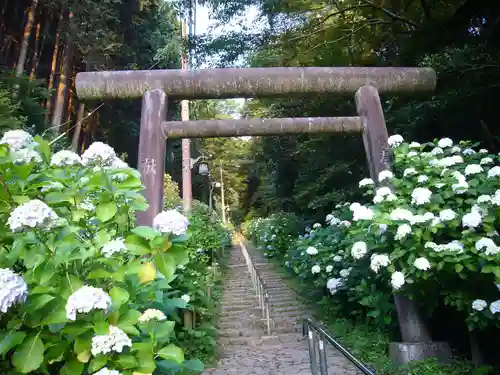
(203, 169)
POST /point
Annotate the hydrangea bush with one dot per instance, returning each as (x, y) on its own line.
(82, 289)
(429, 232)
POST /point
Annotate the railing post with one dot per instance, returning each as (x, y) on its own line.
(323, 365)
(152, 145)
(312, 351)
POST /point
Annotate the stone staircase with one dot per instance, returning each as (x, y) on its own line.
(245, 347)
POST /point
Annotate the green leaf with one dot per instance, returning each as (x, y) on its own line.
(97, 363)
(9, 340)
(29, 356)
(57, 315)
(127, 361)
(119, 296)
(146, 362)
(106, 211)
(458, 268)
(131, 317)
(171, 352)
(73, 367)
(166, 265)
(145, 232)
(194, 365)
(101, 327)
(163, 330)
(39, 301)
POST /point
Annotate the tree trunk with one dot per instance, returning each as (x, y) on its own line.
(53, 67)
(62, 87)
(78, 127)
(34, 62)
(23, 53)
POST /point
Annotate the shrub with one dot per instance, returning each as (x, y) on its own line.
(83, 289)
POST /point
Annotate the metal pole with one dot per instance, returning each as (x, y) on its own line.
(187, 193)
(323, 366)
(223, 205)
(312, 351)
(211, 189)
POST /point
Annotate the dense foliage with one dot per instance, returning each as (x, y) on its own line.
(84, 290)
(430, 234)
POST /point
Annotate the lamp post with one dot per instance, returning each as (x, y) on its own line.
(213, 185)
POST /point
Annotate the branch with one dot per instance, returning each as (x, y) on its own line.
(391, 14)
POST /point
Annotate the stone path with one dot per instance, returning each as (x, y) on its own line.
(245, 347)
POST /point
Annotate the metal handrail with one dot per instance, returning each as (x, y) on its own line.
(317, 336)
(259, 287)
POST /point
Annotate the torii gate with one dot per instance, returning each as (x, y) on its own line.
(366, 83)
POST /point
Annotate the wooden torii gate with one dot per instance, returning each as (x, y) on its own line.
(155, 86)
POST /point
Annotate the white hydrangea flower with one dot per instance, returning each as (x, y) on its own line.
(401, 214)
(315, 269)
(456, 149)
(494, 172)
(345, 273)
(422, 178)
(366, 182)
(412, 154)
(114, 246)
(329, 268)
(455, 246)
(422, 264)
(334, 285)
(483, 151)
(13, 289)
(151, 314)
(17, 139)
(395, 140)
(329, 218)
(118, 163)
(473, 169)
(419, 219)
(359, 250)
(384, 193)
(402, 232)
(337, 258)
(51, 186)
(495, 307)
(437, 151)
(106, 371)
(30, 215)
(171, 221)
(485, 161)
(461, 187)
(115, 341)
(420, 196)
(447, 215)
(450, 161)
(354, 206)
(414, 145)
(362, 213)
(409, 172)
(496, 198)
(186, 298)
(397, 280)
(445, 142)
(472, 220)
(385, 175)
(25, 156)
(99, 154)
(64, 158)
(468, 151)
(86, 205)
(86, 299)
(311, 250)
(479, 304)
(345, 223)
(488, 245)
(316, 226)
(484, 199)
(379, 260)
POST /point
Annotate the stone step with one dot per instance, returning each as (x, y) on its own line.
(250, 341)
(237, 332)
